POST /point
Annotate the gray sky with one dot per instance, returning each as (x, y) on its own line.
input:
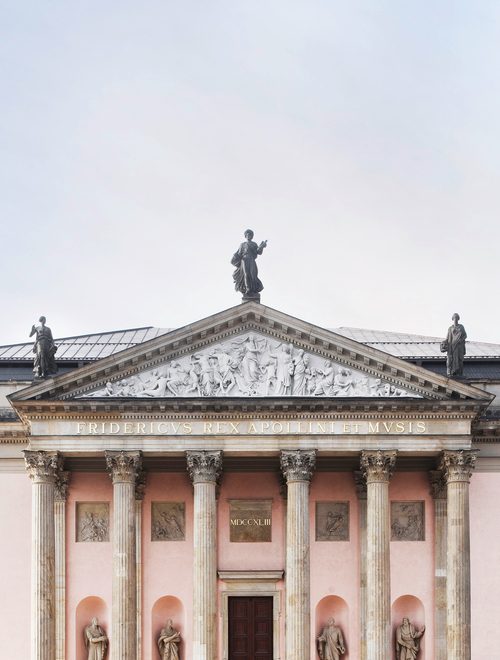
(140, 139)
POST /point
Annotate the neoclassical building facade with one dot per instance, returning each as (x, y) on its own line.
(249, 477)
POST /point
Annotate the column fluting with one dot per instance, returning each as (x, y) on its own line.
(297, 467)
(438, 491)
(124, 467)
(60, 495)
(457, 467)
(377, 467)
(43, 468)
(204, 469)
(362, 495)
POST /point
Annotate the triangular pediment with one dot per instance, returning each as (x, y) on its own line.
(250, 351)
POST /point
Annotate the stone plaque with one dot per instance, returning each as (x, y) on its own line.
(92, 522)
(332, 521)
(407, 521)
(168, 521)
(250, 521)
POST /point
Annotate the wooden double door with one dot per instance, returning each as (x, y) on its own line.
(250, 628)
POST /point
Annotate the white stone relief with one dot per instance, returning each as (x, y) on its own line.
(250, 365)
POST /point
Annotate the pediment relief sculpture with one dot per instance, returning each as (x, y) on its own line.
(250, 365)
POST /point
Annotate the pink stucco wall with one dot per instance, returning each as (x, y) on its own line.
(15, 540)
(167, 566)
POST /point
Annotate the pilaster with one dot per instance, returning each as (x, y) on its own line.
(361, 491)
(438, 491)
(60, 496)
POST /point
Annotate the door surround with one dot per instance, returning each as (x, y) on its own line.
(250, 583)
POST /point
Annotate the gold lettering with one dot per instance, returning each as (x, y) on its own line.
(400, 427)
(162, 427)
(410, 427)
(128, 427)
(251, 428)
(80, 427)
(175, 427)
(278, 427)
(221, 427)
(355, 428)
(141, 427)
(234, 427)
(321, 427)
(373, 428)
(187, 427)
(265, 426)
(114, 427)
(92, 428)
(421, 427)
(207, 427)
(347, 428)
(388, 426)
(288, 427)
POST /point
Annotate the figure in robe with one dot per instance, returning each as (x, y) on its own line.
(330, 642)
(408, 640)
(284, 370)
(454, 346)
(96, 641)
(246, 274)
(301, 373)
(168, 642)
(44, 350)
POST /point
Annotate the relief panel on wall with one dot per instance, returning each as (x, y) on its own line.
(92, 522)
(168, 521)
(332, 521)
(250, 521)
(407, 521)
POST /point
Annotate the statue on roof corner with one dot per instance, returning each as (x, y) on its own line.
(44, 350)
(246, 274)
(454, 346)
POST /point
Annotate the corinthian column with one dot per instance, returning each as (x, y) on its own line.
(361, 493)
(457, 469)
(43, 468)
(60, 495)
(124, 467)
(377, 467)
(297, 467)
(204, 468)
(438, 490)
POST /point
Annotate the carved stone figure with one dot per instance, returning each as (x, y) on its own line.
(246, 274)
(44, 350)
(96, 641)
(408, 640)
(407, 521)
(92, 522)
(330, 642)
(251, 364)
(454, 346)
(167, 521)
(168, 642)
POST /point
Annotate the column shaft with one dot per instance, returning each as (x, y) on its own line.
(205, 469)
(297, 467)
(361, 491)
(457, 468)
(377, 467)
(42, 468)
(438, 489)
(60, 494)
(124, 467)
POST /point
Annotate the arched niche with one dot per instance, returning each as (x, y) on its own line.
(89, 607)
(336, 607)
(166, 607)
(412, 608)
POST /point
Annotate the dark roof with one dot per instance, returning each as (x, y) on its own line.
(87, 348)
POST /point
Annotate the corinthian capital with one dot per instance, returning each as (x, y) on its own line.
(438, 484)
(298, 464)
(378, 465)
(123, 466)
(43, 466)
(457, 465)
(204, 466)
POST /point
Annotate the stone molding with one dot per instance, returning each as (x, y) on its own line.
(62, 486)
(204, 466)
(298, 464)
(457, 466)
(123, 466)
(438, 484)
(43, 466)
(378, 466)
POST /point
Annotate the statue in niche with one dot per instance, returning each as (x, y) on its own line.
(246, 274)
(408, 640)
(44, 350)
(168, 642)
(330, 642)
(454, 346)
(96, 641)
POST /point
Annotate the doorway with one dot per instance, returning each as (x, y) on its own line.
(250, 620)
